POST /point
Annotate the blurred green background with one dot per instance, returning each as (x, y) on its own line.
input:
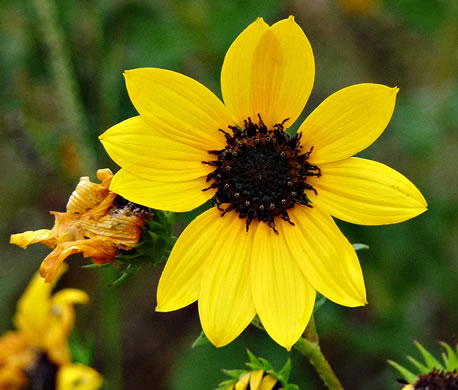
(61, 71)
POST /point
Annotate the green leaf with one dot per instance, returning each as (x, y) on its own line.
(201, 340)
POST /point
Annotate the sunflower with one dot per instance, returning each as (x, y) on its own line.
(269, 243)
(432, 373)
(37, 354)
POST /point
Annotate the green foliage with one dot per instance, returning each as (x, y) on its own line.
(450, 362)
(154, 246)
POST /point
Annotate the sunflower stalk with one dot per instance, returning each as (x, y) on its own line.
(310, 348)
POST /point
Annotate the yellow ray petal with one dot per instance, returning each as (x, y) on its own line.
(178, 197)
(255, 379)
(243, 382)
(69, 296)
(225, 302)
(366, 192)
(347, 122)
(283, 298)
(179, 107)
(268, 71)
(136, 146)
(100, 249)
(326, 258)
(268, 383)
(25, 239)
(33, 308)
(77, 376)
(180, 282)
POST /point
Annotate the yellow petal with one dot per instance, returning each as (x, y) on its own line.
(177, 197)
(137, 147)
(325, 256)
(243, 382)
(268, 71)
(268, 383)
(69, 296)
(87, 194)
(347, 122)
(25, 239)
(366, 192)
(283, 298)
(255, 379)
(225, 302)
(178, 107)
(33, 309)
(77, 376)
(180, 282)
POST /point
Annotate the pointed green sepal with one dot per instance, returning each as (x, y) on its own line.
(408, 375)
(451, 360)
(286, 370)
(201, 340)
(430, 360)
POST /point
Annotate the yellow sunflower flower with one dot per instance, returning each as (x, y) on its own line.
(38, 349)
(270, 242)
(94, 225)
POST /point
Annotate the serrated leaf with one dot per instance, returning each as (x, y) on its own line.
(201, 340)
(430, 360)
(358, 246)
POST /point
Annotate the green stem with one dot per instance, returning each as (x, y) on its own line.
(309, 347)
(75, 122)
(110, 328)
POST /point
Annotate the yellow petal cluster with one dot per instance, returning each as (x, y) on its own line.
(92, 225)
(233, 273)
(43, 323)
(255, 380)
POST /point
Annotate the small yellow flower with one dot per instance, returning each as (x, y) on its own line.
(93, 225)
(38, 347)
(270, 243)
(260, 376)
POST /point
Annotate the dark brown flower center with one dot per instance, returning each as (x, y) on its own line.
(43, 375)
(437, 380)
(261, 173)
